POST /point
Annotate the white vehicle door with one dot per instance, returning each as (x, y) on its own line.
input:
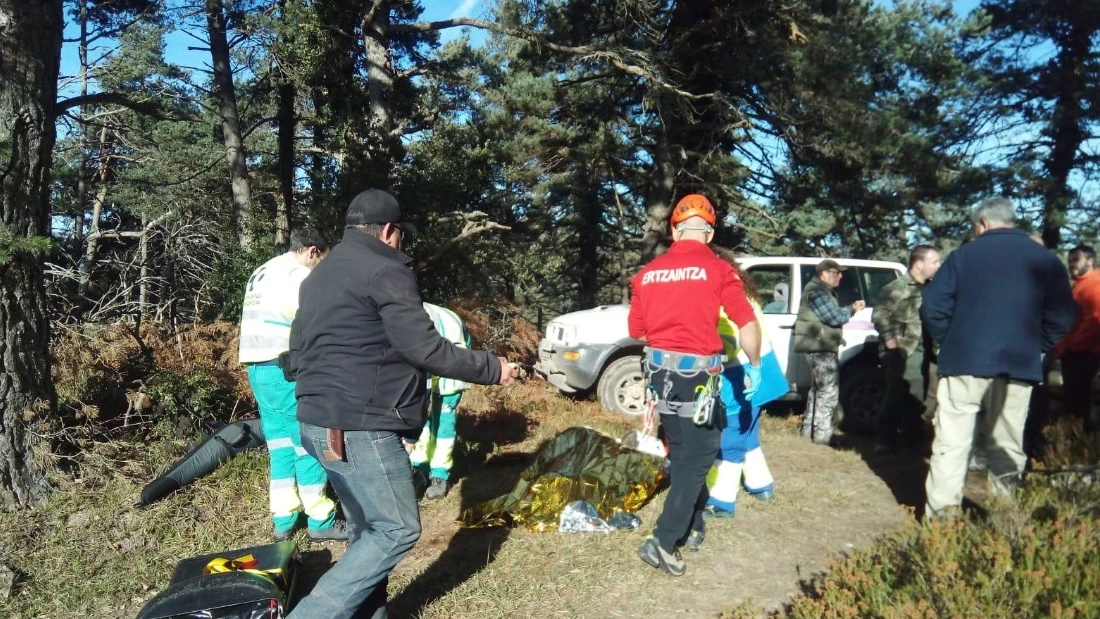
(774, 283)
(860, 330)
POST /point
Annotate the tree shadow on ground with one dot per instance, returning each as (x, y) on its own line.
(469, 551)
(485, 473)
(312, 564)
(903, 469)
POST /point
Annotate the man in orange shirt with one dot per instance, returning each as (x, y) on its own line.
(1080, 349)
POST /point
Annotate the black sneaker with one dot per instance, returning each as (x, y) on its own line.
(437, 490)
(338, 532)
(671, 564)
(282, 536)
(695, 541)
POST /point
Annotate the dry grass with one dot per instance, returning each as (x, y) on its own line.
(88, 553)
(826, 502)
(92, 369)
(498, 325)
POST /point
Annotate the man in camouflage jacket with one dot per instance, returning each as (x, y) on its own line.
(818, 332)
(897, 320)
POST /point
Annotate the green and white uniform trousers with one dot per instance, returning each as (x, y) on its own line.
(297, 478)
(434, 451)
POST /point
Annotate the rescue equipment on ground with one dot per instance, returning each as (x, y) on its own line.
(248, 583)
(230, 441)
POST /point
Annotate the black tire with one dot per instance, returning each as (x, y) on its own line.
(862, 388)
(622, 387)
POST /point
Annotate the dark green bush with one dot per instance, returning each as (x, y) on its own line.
(196, 394)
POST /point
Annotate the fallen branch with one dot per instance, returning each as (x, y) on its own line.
(129, 234)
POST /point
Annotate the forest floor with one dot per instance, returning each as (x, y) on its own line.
(88, 552)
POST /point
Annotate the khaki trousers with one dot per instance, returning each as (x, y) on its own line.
(959, 399)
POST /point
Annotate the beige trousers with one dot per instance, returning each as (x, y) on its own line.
(959, 399)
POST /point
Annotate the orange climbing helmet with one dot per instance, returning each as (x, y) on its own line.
(693, 205)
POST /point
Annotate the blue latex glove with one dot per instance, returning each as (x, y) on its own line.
(753, 378)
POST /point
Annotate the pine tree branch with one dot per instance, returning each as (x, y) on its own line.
(475, 223)
(129, 234)
(586, 52)
(114, 98)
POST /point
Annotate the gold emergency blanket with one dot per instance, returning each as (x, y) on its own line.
(579, 464)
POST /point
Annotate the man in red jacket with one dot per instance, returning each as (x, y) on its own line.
(1079, 350)
(674, 310)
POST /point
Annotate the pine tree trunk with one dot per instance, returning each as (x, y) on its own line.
(624, 272)
(317, 159)
(226, 95)
(659, 199)
(91, 239)
(143, 274)
(1066, 133)
(381, 146)
(287, 127)
(284, 206)
(82, 177)
(30, 55)
(589, 237)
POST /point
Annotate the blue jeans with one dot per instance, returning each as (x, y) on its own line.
(375, 487)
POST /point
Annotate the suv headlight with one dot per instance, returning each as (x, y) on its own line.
(561, 334)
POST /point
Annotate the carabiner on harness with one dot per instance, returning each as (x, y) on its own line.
(706, 397)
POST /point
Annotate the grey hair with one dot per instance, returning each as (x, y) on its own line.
(996, 210)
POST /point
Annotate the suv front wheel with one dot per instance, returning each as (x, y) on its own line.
(861, 391)
(622, 387)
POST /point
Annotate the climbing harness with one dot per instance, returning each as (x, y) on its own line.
(685, 365)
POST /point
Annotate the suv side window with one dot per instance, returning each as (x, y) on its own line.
(773, 282)
(873, 281)
(848, 292)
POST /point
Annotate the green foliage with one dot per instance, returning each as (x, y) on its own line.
(1014, 566)
(847, 128)
(11, 244)
(229, 278)
(196, 394)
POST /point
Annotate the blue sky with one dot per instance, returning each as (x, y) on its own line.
(178, 42)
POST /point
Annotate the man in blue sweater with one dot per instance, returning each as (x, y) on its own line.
(995, 307)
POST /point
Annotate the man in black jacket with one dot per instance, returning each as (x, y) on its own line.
(995, 306)
(360, 347)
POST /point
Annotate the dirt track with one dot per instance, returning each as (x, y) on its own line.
(827, 502)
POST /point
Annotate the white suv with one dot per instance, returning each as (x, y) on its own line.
(593, 349)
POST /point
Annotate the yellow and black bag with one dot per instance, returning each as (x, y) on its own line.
(249, 583)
